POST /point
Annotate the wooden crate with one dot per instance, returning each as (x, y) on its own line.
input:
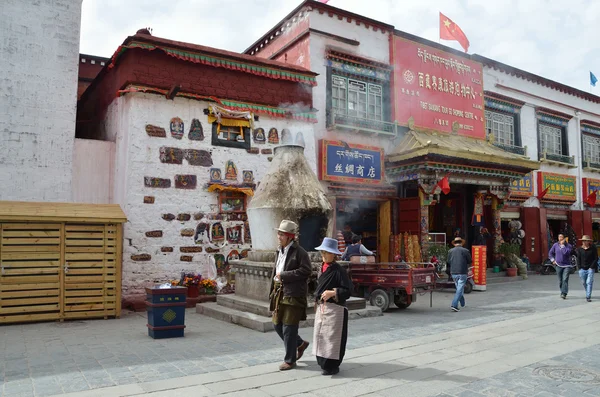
(63, 262)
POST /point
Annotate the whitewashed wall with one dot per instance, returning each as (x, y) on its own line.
(137, 157)
(373, 45)
(39, 55)
(535, 95)
(93, 171)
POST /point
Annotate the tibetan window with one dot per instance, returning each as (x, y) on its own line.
(550, 139)
(232, 202)
(501, 126)
(357, 98)
(228, 134)
(591, 149)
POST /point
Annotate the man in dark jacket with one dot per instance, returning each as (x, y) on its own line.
(289, 289)
(459, 259)
(587, 261)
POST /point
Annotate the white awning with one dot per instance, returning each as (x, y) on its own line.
(510, 215)
(557, 217)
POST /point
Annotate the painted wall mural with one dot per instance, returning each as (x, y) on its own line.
(273, 136)
(196, 132)
(259, 136)
(230, 171)
(176, 128)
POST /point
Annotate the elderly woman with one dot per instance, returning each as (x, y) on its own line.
(331, 319)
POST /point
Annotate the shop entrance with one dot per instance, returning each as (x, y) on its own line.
(455, 216)
(370, 219)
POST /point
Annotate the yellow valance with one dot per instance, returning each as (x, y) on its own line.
(230, 122)
(246, 190)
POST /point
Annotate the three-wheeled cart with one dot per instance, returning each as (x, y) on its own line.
(382, 283)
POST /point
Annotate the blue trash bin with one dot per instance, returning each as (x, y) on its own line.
(166, 311)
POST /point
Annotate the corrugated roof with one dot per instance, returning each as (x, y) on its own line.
(418, 144)
(61, 212)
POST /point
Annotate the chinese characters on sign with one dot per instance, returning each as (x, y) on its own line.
(438, 90)
(522, 187)
(355, 163)
(560, 187)
(590, 186)
(479, 254)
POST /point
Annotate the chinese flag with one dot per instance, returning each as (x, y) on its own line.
(451, 31)
(591, 199)
(444, 184)
(543, 193)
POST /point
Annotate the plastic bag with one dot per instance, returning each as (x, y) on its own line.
(221, 283)
(164, 286)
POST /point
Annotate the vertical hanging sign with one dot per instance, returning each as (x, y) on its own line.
(479, 254)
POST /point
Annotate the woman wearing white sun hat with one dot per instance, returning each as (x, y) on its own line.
(331, 320)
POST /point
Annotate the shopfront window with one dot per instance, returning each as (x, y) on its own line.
(550, 139)
(501, 126)
(591, 149)
(357, 98)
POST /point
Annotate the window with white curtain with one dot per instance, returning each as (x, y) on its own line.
(357, 98)
(550, 139)
(502, 126)
(591, 149)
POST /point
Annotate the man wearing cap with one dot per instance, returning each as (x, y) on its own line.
(587, 261)
(560, 256)
(459, 259)
(288, 292)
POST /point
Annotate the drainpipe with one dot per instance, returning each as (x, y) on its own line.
(579, 157)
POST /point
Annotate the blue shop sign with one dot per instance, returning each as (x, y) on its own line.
(351, 163)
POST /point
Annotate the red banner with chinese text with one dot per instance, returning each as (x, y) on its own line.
(479, 256)
(439, 90)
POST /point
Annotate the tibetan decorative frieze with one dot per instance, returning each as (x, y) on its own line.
(185, 181)
(157, 182)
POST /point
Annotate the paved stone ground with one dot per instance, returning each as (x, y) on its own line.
(54, 358)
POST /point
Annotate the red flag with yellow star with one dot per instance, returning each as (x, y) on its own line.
(451, 31)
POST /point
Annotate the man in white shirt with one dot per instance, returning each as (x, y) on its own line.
(289, 289)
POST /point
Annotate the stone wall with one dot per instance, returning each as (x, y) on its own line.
(39, 54)
(161, 181)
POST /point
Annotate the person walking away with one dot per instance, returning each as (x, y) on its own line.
(459, 259)
(587, 261)
(355, 249)
(560, 256)
(289, 288)
(331, 319)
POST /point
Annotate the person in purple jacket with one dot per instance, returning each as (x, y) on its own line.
(560, 256)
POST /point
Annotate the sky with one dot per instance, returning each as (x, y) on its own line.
(556, 39)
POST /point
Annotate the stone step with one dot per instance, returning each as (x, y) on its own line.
(261, 308)
(263, 323)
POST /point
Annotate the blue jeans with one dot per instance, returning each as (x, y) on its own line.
(563, 279)
(459, 281)
(587, 276)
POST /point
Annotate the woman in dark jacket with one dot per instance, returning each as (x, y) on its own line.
(333, 289)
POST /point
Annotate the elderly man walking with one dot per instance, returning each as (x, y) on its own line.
(459, 259)
(587, 261)
(560, 256)
(289, 289)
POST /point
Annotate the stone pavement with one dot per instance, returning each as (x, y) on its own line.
(501, 330)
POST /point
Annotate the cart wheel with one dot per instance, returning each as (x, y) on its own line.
(380, 299)
(401, 301)
(468, 288)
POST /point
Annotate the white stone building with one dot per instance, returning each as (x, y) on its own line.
(191, 141)
(38, 95)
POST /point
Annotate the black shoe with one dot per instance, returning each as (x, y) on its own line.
(563, 296)
(327, 372)
(454, 309)
(589, 299)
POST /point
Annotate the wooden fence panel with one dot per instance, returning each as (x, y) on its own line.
(30, 265)
(90, 277)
